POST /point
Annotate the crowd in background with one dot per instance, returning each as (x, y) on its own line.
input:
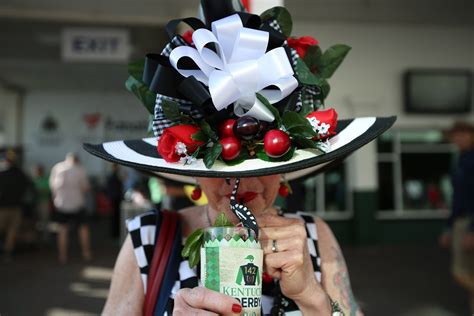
(36, 207)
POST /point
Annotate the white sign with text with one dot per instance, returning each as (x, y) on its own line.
(91, 45)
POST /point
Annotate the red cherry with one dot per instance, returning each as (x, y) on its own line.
(283, 190)
(230, 148)
(226, 129)
(276, 143)
(196, 195)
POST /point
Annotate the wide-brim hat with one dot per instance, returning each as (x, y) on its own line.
(236, 65)
(141, 154)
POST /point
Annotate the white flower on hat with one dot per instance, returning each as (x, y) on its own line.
(323, 128)
(181, 148)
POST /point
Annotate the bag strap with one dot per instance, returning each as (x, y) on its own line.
(167, 224)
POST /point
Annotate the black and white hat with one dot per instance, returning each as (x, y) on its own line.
(237, 96)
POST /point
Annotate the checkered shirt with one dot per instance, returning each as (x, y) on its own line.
(142, 230)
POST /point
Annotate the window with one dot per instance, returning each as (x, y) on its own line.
(329, 195)
(414, 172)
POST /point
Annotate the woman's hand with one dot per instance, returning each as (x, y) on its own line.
(291, 263)
(202, 301)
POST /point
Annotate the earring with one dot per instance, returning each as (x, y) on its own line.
(284, 189)
(197, 193)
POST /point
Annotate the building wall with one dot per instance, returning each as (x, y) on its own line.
(80, 117)
(369, 82)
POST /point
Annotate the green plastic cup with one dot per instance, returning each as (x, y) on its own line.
(231, 263)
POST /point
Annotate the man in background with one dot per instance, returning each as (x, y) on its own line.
(13, 186)
(69, 185)
(460, 235)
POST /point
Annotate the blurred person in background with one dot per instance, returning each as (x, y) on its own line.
(69, 186)
(41, 182)
(157, 190)
(114, 191)
(460, 236)
(14, 184)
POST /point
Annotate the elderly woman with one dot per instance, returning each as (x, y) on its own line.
(293, 264)
(239, 104)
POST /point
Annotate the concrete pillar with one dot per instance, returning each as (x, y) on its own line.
(10, 116)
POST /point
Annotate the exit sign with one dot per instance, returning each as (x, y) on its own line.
(95, 45)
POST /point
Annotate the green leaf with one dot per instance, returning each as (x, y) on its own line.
(195, 237)
(282, 16)
(171, 110)
(212, 155)
(140, 90)
(270, 107)
(313, 57)
(150, 124)
(304, 142)
(200, 136)
(304, 74)
(263, 156)
(136, 85)
(194, 255)
(325, 88)
(135, 69)
(297, 124)
(331, 59)
(222, 221)
(207, 130)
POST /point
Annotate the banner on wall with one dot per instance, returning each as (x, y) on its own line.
(51, 129)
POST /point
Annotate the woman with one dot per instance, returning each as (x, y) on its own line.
(247, 107)
(292, 263)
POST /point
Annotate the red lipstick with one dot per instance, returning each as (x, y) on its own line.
(244, 197)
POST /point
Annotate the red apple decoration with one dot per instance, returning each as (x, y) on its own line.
(226, 129)
(230, 148)
(276, 143)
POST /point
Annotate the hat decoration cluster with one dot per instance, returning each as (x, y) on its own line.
(237, 87)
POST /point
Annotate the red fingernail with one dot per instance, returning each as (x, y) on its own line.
(267, 278)
(236, 308)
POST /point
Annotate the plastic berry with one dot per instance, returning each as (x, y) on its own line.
(262, 130)
(246, 127)
(196, 194)
(226, 129)
(276, 143)
(283, 190)
(230, 148)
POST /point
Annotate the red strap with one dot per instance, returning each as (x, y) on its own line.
(159, 261)
(166, 255)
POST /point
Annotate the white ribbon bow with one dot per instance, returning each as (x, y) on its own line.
(239, 68)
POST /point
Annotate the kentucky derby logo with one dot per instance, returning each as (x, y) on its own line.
(249, 273)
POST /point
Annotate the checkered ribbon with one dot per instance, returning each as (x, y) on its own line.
(241, 211)
(308, 95)
(160, 122)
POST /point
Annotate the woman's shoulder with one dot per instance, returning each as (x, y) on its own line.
(315, 225)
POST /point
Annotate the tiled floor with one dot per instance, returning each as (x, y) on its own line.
(390, 280)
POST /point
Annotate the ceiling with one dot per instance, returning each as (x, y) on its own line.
(30, 31)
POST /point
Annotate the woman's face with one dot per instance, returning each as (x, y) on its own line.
(257, 193)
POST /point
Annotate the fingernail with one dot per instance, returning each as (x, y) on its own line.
(267, 278)
(236, 308)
